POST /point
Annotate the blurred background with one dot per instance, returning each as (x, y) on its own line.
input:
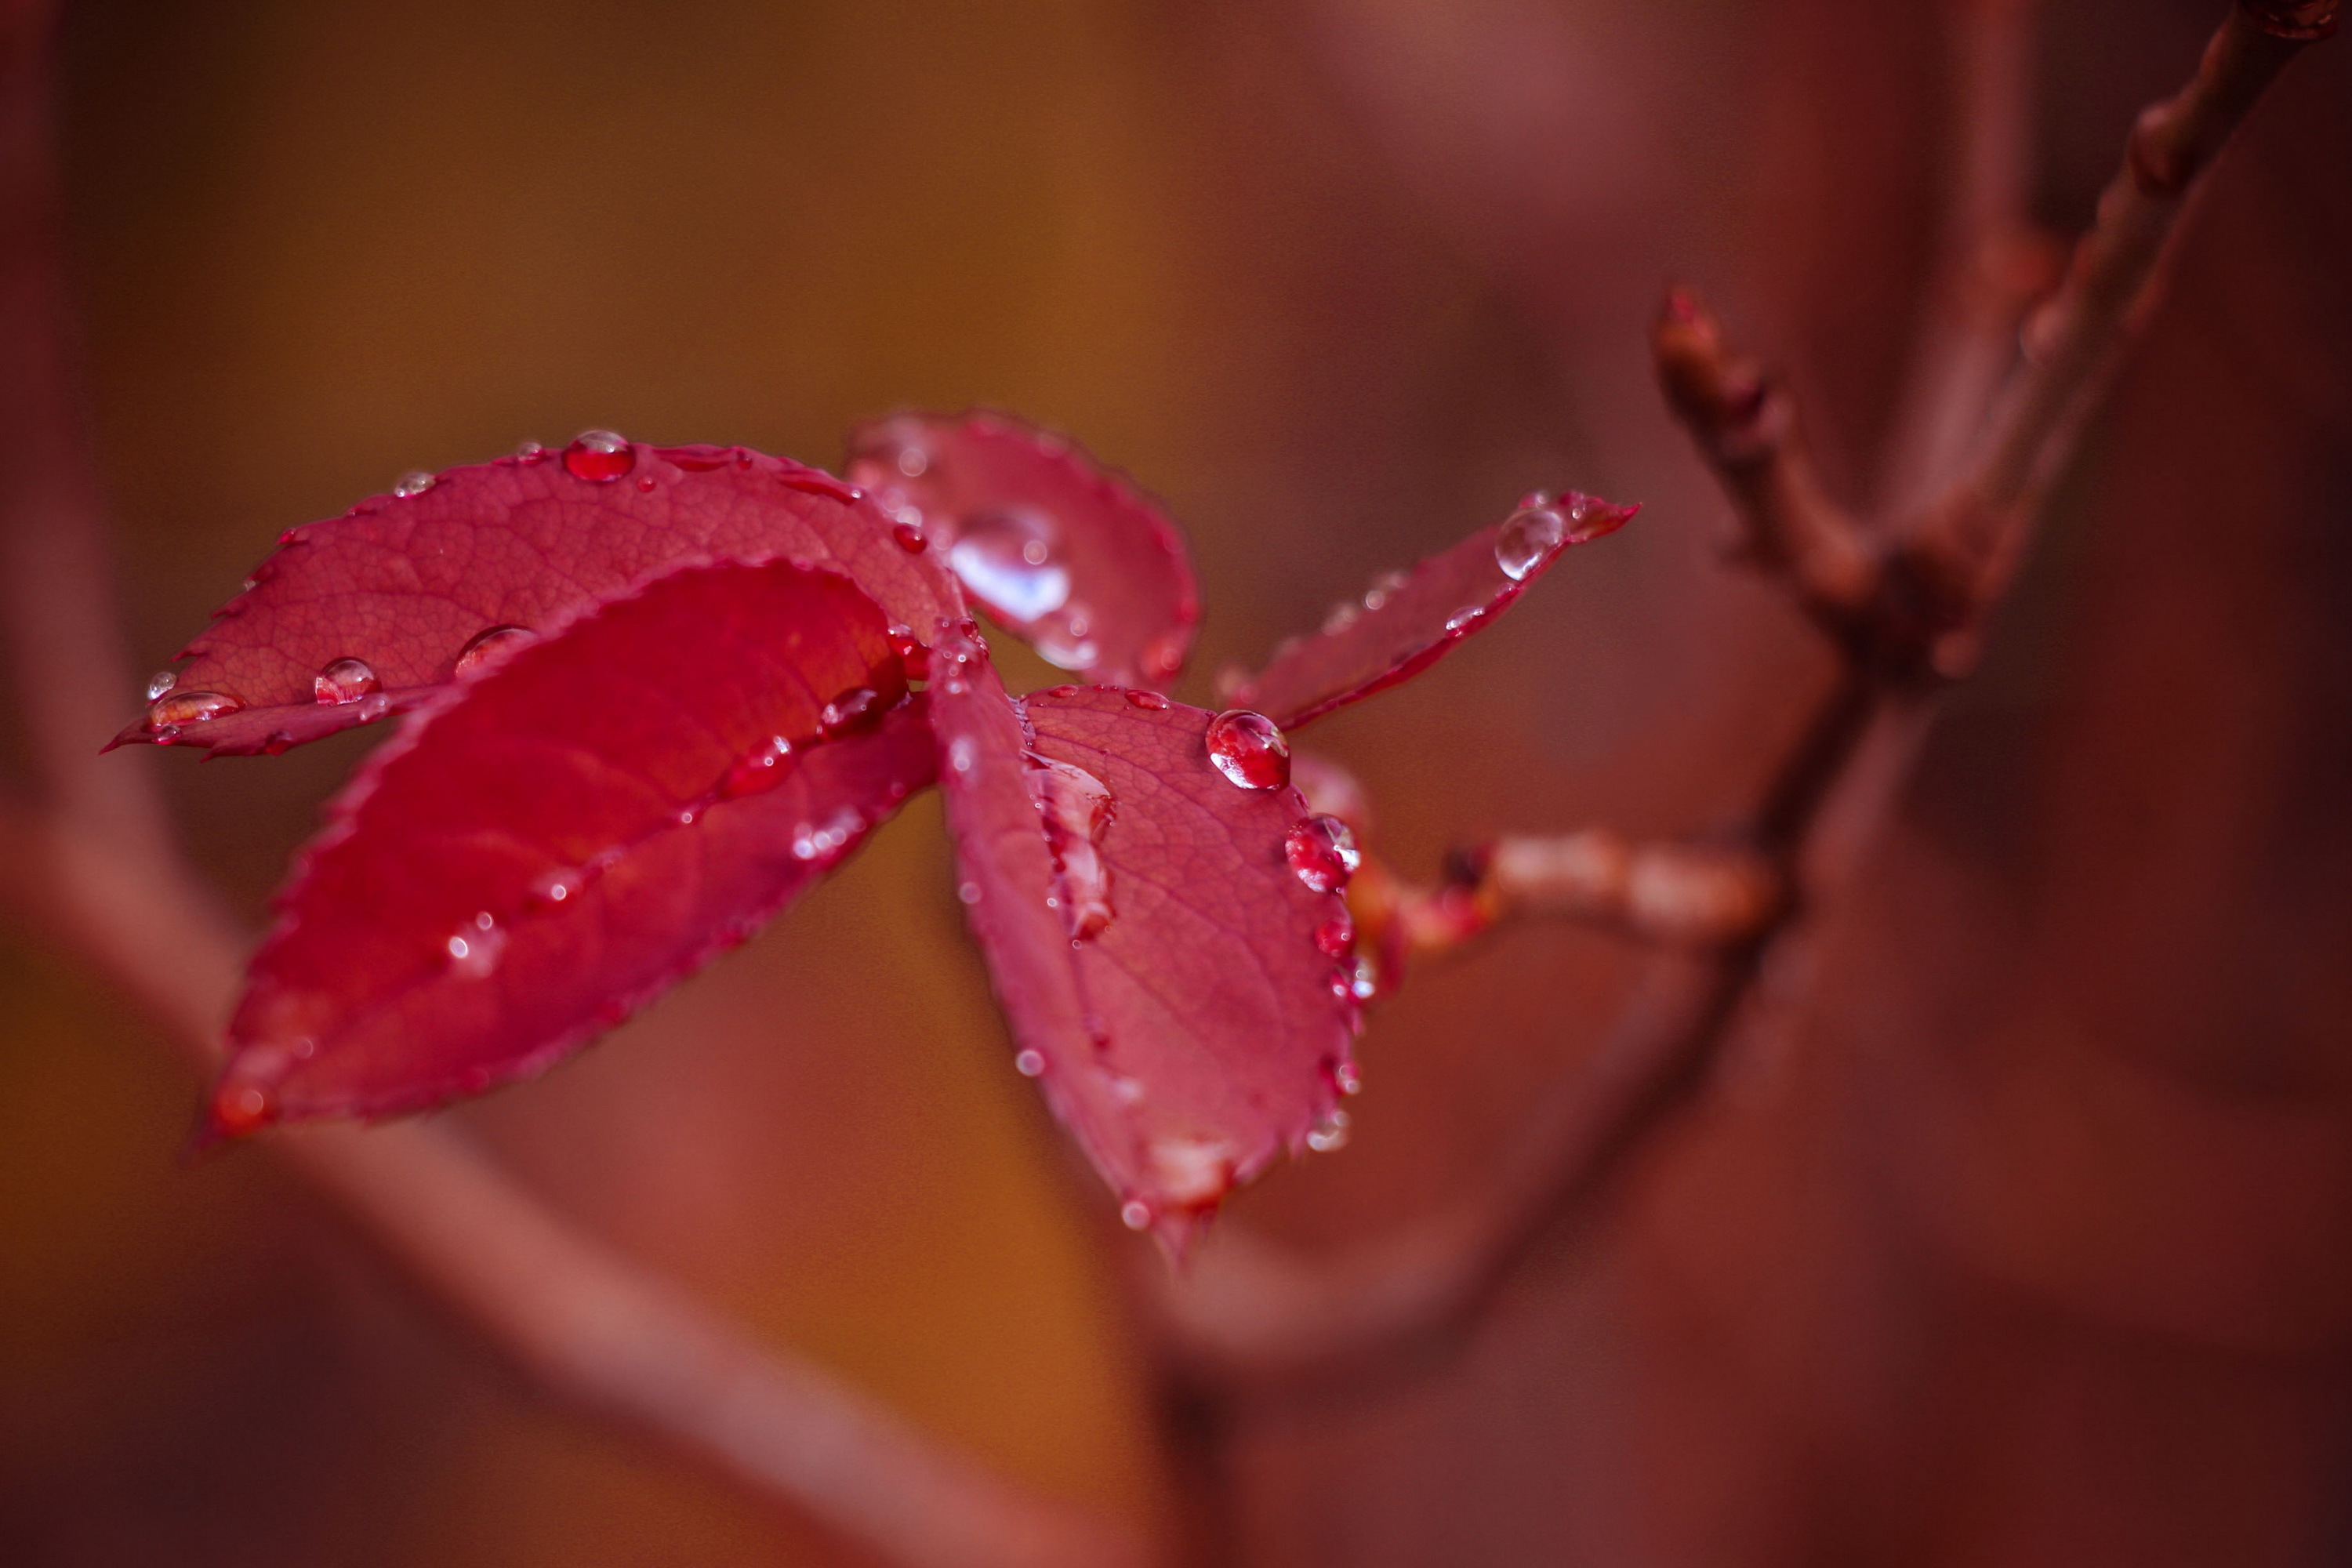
(2017, 1230)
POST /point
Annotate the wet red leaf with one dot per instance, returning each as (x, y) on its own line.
(1202, 1030)
(1064, 553)
(558, 840)
(1408, 620)
(405, 583)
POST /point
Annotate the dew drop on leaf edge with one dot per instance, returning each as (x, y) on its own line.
(599, 457)
(1248, 749)
(344, 680)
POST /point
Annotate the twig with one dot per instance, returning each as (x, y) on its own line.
(95, 873)
(1253, 1323)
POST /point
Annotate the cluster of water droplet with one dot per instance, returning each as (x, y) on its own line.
(1322, 853)
(1076, 808)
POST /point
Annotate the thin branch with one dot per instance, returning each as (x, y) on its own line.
(1255, 1322)
(1745, 425)
(94, 873)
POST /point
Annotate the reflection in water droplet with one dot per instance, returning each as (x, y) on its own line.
(859, 708)
(475, 950)
(1322, 853)
(767, 765)
(1077, 809)
(600, 456)
(1330, 1132)
(1005, 558)
(415, 484)
(492, 647)
(344, 680)
(190, 708)
(1248, 749)
(1527, 538)
(1135, 1213)
(1029, 1064)
(1460, 623)
(162, 680)
(241, 1106)
(1336, 938)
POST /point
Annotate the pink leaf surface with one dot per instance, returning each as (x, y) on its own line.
(403, 583)
(1407, 621)
(1199, 1029)
(1064, 553)
(558, 838)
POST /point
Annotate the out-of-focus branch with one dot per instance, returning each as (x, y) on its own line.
(1959, 551)
(93, 871)
(1992, 264)
(1253, 1323)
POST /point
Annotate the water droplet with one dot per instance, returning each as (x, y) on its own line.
(241, 1106)
(1363, 978)
(968, 893)
(414, 484)
(1135, 1213)
(1589, 519)
(162, 680)
(1192, 1171)
(530, 454)
(1336, 938)
(1383, 589)
(910, 536)
(1077, 808)
(493, 647)
(962, 754)
(475, 950)
(859, 708)
(1345, 1078)
(960, 646)
(913, 656)
(1534, 499)
(1005, 558)
(553, 888)
(1249, 749)
(767, 765)
(1330, 1131)
(645, 484)
(277, 743)
(1150, 702)
(913, 460)
(1528, 539)
(1322, 853)
(344, 680)
(1029, 1064)
(1460, 623)
(599, 457)
(179, 707)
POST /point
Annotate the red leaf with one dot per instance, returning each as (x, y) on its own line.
(557, 841)
(1104, 588)
(1201, 1030)
(1407, 621)
(405, 583)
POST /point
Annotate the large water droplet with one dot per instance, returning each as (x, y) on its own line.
(1006, 559)
(191, 708)
(767, 765)
(344, 680)
(600, 456)
(492, 647)
(859, 708)
(162, 680)
(1527, 540)
(414, 484)
(1322, 853)
(1249, 749)
(1077, 808)
(1330, 1131)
